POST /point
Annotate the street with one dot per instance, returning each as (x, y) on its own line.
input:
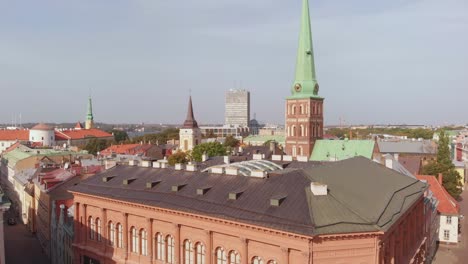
(22, 247)
(452, 254)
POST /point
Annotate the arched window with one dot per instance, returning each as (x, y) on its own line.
(188, 252)
(119, 235)
(302, 131)
(92, 227)
(111, 233)
(305, 132)
(289, 131)
(234, 257)
(272, 262)
(294, 151)
(200, 253)
(257, 260)
(301, 109)
(221, 257)
(293, 131)
(300, 151)
(160, 247)
(144, 242)
(293, 109)
(170, 249)
(134, 235)
(99, 229)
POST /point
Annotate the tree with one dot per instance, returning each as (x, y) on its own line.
(451, 178)
(119, 135)
(212, 149)
(231, 141)
(178, 157)
(95, 145)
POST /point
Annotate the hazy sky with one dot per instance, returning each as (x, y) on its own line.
(377, 61)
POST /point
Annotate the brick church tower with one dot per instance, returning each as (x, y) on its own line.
(304, 108)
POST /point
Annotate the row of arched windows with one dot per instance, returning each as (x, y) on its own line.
(304, 109)
(301, 131)
(164, 245)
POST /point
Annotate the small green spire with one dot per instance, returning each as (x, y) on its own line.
(305, 84)
(89, 116)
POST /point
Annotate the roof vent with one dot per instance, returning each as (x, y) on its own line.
(217, 170)
(203, 190)
(276, 157)
(287, 158)
(146, 163)
(192, 167)
(259, 174)
(178, 187)
(302, 158)
(163, 165)
(277, 200)
(232, 171)
(318, 189)
(179, 166)
(128, 181)
(235, 195)
(257, 157)
(150, 185)
(133, 162)
(156, 165)
(107, 178)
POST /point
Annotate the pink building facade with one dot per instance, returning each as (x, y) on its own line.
(110, 229)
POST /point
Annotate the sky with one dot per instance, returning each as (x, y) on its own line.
(377, 61)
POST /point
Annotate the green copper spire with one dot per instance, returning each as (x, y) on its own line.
(305, 84)
(89, 116)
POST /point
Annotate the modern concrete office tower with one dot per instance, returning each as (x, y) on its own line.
(304, 107)
(237, 108)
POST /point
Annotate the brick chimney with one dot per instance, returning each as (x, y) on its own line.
(440, 178)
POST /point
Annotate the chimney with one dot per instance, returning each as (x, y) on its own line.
(440, 178)
(396, 156)
(318, 189)
(226, 160)
(204, 157)
(273, 147)
(388, 162)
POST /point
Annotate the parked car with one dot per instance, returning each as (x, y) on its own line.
(11, 221)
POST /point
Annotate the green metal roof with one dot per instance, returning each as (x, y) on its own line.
(326, 150)
(305, 84)
(16, 155)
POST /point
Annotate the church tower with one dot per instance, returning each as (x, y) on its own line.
(89, 123)
(304, 107)
(190, 134)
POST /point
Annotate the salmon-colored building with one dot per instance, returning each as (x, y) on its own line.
(351, 211)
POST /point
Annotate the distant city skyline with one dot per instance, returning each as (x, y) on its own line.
(401, 62)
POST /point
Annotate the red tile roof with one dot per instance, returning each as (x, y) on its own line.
(447, 204)
(128, 149)
(42, 126)
(14, 134)
(81, 134)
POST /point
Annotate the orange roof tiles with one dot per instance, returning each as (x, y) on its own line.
(447, 204)
(81, 134)
(6, 135)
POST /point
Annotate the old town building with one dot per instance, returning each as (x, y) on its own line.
(276, 213)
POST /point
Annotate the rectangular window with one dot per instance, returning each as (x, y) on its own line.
(446, 234)
(449, 220)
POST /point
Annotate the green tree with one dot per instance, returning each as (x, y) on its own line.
(231, 141)
(119, 135)
(178, 157)
(95, 145)
(444, 165)
(212, 149)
